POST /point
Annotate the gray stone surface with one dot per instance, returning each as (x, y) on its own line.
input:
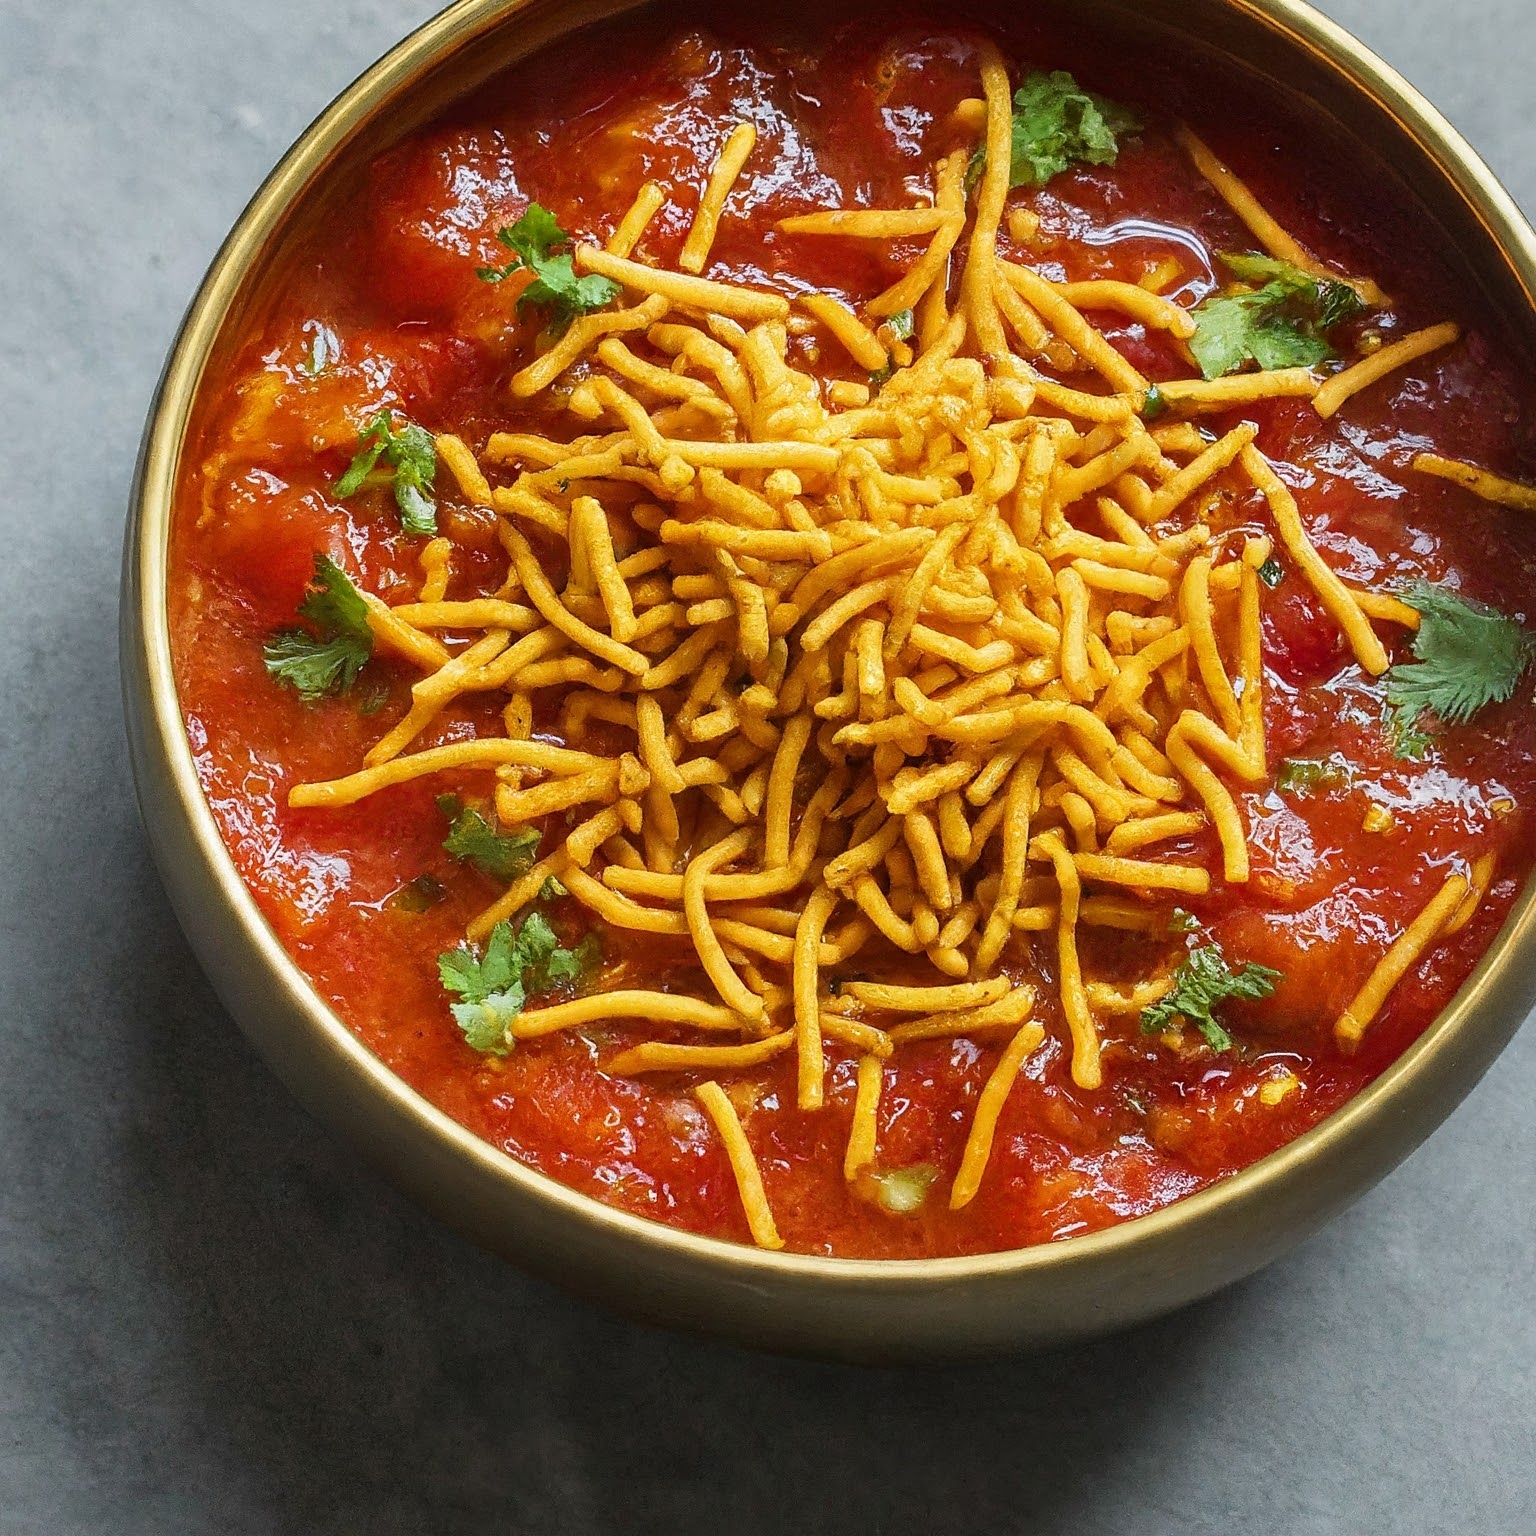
(212, 1319)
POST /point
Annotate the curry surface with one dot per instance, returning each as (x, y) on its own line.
(847, 113)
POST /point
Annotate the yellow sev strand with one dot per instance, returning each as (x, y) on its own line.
(806, 977)
(923, 281)
(1237, 389)
(626, 236)
(653, 1007)
(485, 752)
(398, 634)
(1086, 1072)
(748, 304)
(1482, 878)
(749, 1179)
(866, 223)
(1361, 375)
(1332, 593)
(976, 284)
(732, 989)
(863, 1133)
(663, 1056)
(858, 340)
(1395, 964)
(978, 1145)
(701, 236)
(901, 999)
(1481, 482)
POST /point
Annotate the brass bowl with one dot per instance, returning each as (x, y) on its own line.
(888, 1309)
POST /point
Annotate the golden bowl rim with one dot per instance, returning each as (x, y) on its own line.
(147, 630)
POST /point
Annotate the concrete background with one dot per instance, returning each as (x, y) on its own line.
(213, 1319)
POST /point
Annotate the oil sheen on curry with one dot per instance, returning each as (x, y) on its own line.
(870, 636)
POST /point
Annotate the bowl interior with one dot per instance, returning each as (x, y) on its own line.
(1136, 1269)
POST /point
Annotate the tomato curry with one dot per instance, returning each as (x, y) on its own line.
(1217, 593)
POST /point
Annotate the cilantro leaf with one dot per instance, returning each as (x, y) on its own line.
(1202, 982)
(1336, 303)
(412, 455)
(558, 290)
(1280, 324)
(1057, 124)
(536, 942)
(533, 234)
(418, 895)
(902, 324)
(370, 444)
(495, 984)
(1305, 775)
(974, 168)
(1466, 655)
(501, 855)
(570, 965)
(1336, 300)
(476, 977)
(1271, 573)
(325, 660)
(487, 1024)
(555, 288)
(490, 988)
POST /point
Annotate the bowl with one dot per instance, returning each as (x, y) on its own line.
(861, 1309)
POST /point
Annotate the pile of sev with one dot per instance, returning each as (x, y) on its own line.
(900, 671)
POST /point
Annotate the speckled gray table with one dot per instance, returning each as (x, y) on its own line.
(212, 1319)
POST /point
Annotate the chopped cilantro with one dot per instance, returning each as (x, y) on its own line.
(974, 167)
(501, 855)
(1304, 775)
(1279, 324)
(494, 984)
(412, 455)
(1202, 982)
(1182, 921)
(570, 965)
(374, 700)
(901, 327)
(555, 289)
(1271, 573)
(1057, 124)
(418, 895)
(1466, 655)
(1153, 405)
(529, 239)
(324, 660)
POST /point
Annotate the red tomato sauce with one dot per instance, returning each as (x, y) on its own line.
(382, 293)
